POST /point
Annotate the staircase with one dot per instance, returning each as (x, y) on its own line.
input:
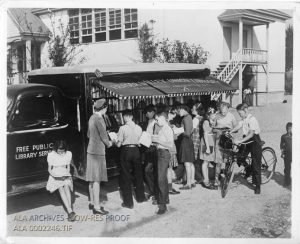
(226, 72)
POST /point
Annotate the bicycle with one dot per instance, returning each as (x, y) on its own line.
(237, 154)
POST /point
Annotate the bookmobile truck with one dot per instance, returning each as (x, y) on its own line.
(57, 103)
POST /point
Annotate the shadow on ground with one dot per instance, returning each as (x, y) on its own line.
(141, 222)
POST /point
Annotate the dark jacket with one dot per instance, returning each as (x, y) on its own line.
(286, 146)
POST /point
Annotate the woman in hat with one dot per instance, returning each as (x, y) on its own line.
(96, 162)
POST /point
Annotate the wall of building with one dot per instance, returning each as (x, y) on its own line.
(276, 56)
(169, 23)
(12, 30)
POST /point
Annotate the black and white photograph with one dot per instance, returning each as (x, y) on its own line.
(149, 120)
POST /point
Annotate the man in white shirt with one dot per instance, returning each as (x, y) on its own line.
(130, 159)
(150, 153)
(164, 141)
(251, 130)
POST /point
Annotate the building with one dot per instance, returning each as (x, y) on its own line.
(246, 46)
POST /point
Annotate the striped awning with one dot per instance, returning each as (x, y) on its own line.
(165, 87)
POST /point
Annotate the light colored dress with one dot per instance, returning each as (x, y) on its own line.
(211, 142)
(227, 121)
(57, 161)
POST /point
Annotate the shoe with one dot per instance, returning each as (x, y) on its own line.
(174, 192)
(101, 211)
(193, 185)
(125, 206)
(179, 182)
(186, 187)
(144, 200)
(257, 190)
(162, 209)
(91, 206)
(71, 217)
(216, 183)
(209, 186)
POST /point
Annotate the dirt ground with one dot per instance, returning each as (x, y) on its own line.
(194, 213)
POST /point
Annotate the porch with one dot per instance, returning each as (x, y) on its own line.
(242, 48)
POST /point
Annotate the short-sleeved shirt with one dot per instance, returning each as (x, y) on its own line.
(249, 123)
(150, 126)
(129, 134)
(196, 121)
(166, 134)
(54, 159)
(226, 121)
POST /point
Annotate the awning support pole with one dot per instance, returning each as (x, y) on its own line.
(241, 61)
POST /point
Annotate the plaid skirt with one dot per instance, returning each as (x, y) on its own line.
(196, 142)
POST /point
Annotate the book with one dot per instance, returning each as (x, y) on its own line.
(113, 136)
(145, 139)
(178, 131)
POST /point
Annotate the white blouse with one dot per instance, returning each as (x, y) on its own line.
(55, 159)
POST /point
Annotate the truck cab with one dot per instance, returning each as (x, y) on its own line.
(35, 120)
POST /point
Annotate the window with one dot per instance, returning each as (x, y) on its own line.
(34, 110)
(86, 25)
(130, 16)
(74, 25)
(114, 24)
(100, 24)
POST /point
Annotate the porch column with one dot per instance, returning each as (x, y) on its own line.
(28, 55)
(267, 65)
(241, 63)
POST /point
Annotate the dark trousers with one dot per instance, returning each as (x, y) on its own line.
(150, 166)
(287, 170)
(163, 159)
(255, 149)
(130, 162)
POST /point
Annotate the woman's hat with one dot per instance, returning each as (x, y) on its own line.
(100, 104)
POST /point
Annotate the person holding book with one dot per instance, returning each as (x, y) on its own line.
(60, 179)
(130, 160)
(96, 162)
(207, 145)
(164, 141)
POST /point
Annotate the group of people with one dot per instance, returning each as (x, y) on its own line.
(182, 157)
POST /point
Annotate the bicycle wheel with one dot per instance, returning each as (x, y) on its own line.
(227, 178)
(268, 164)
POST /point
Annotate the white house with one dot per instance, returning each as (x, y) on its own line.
(246, 46)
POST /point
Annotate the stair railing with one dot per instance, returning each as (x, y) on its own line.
(229, 69)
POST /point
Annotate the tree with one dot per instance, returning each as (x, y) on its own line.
(146, 43)
(289, 48)
(166, 51)
(60, 51)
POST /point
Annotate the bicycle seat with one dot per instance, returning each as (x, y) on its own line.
(262, 143)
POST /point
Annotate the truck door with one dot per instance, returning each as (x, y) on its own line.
(33, 127)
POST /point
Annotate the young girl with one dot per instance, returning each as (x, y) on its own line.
(187, 148)
(197, 112)
(60, 178)
(207, 145)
